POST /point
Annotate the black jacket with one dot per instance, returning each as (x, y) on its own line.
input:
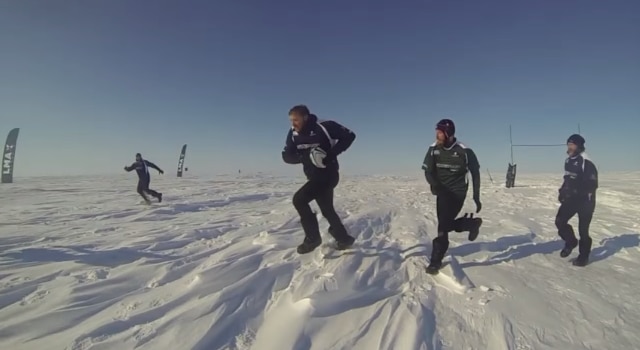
(329, 135)
(142, 168)
(580, 178)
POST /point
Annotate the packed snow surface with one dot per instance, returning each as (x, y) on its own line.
(85, 265)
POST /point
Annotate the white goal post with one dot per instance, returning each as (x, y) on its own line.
(512, 169)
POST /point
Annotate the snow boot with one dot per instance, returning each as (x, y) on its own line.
(568, 248)
(345, 244)
(308, 246)
(474, 228)
(468, 223)
(584, 246)
(581, 260)
(159, 197)
(440, 246)
(434, 267)
(343, 239)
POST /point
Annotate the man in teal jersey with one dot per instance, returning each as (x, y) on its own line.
(446, 167)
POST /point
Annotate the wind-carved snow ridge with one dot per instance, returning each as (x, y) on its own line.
(214, 267)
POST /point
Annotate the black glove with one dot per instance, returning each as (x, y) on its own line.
(435, 190)
(563, 194)
(161, 172)
(329, 158)
(476, 199)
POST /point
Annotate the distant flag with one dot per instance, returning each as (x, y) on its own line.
(9, 156)
(181, 160)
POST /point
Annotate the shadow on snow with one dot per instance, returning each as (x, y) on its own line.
(106, 258)
(518, 247)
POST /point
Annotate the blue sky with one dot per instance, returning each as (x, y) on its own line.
(90, 83)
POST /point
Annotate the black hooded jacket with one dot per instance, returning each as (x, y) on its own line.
(580, 178)
(329, 135)
(142, 168)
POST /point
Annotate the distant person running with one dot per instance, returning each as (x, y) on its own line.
(141, 166)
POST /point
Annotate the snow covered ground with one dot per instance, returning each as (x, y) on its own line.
(84, 265)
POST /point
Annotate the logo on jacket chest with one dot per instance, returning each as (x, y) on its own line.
(309, 141)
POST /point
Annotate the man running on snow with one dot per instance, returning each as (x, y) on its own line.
(141, 166)
(316, 145)
(446, 166)
(578, 196)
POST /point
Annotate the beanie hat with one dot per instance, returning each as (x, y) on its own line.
(447, 127)
(576, 140)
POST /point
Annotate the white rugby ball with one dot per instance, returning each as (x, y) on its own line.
(317, 155)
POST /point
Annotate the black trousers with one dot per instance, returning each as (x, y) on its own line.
(584, 207)
(448, 206)
(320, 190)
(143, 187)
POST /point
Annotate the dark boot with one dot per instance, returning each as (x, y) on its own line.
(474, 228)
(343, 239)
(581, 260)
(310, 227)
(440, 246)
(568, 248)
(585, 246)
(434, 268)
(585, 251)
(159, 197)
(468, 223)
(144, 197)
(345, 244)
(308, 245)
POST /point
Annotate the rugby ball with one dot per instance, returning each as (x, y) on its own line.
(317, 155)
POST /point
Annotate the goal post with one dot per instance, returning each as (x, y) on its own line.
(512, 168)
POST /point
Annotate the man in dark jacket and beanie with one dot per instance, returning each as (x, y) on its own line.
(578, 196)
(446, 166)
(316, 145)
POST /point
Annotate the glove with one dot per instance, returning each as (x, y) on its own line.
(329, 158)
(161, 172)
(317, 156)
(435, 190)
(563, 194)
(476, 199)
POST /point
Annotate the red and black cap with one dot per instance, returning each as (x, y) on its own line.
(447, 127)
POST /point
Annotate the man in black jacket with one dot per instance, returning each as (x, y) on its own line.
(446, 167)
(578, 196)
(141, 166)
(316, 145)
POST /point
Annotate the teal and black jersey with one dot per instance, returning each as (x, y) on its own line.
(447, 169)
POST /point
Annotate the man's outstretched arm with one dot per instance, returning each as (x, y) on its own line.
(151, 165)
